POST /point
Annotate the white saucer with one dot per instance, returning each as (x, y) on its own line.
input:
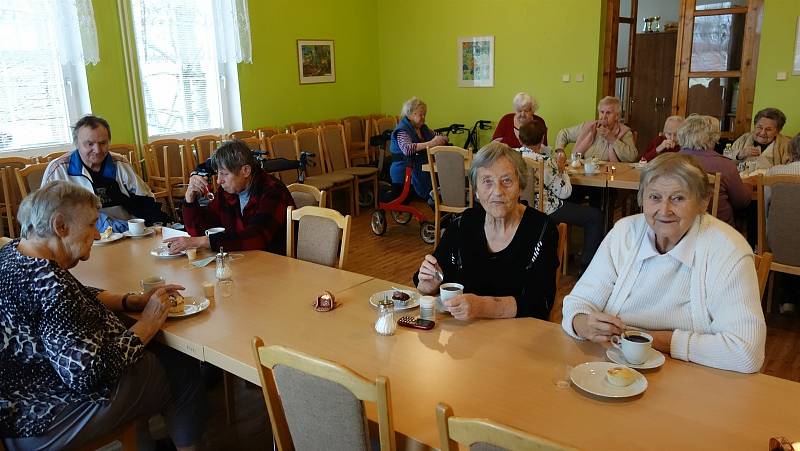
(191, 306)
(654, 360)
(147, 232)
(111, 239)
(412, 302)
(162, 253)
(591, 377)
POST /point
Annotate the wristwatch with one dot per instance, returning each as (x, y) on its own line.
(125, 301)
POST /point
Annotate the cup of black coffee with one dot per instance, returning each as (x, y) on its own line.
(449, 291)
(635, 346)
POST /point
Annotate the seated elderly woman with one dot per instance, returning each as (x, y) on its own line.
(666, 141)
(765, 144)
(697, 137)
(503, 252)
(682, 275)
(70, 370)
(410, 141)
(605, 138)
(507, 130)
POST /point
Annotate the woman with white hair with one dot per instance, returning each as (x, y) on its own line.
(410, 141)
(697, 137)
(507, 130)
(71, 370)
(666, 141)
(675, 272)
(606, 138)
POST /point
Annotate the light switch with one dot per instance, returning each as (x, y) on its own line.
(781, 76)
(565, 78)
(579, 77)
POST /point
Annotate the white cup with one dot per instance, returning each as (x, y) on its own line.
(136, 226)
(148, 283)
(635, 346)
(214, 230)
(589, 167)
(449, 291)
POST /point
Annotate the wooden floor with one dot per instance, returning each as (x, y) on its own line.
(395, 256)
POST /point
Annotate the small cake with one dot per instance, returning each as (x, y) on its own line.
(176, 303)
(620, 376)
(106, 234)
(400, 298)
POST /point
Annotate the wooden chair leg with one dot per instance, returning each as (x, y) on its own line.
(353, 194)
(228, 382)
(437, 227)
(565, 257)
(356, 195)
(769, 291)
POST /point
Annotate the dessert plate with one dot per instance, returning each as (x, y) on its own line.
(412, 302)
(111, 239)
(591, 377)
(147, 232)
(654, 360)
(162, 252)
(191, 306)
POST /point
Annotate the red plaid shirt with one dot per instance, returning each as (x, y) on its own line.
(262, 225)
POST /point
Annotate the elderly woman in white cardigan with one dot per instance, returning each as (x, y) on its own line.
(682, 275)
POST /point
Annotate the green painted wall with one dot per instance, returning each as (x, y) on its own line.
(535, 43)
(776, 54)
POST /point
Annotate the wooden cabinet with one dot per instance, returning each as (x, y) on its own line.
(653, 70)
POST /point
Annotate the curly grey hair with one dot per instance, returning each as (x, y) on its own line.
(37, 210)
(523, 100)
(699, 132)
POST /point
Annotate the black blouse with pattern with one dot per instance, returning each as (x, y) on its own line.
(59, 345)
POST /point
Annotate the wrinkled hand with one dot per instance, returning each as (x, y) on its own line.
(465, 307)
(753, 151)
(428, 281)
(158, 306)
(666, 144)
(181, 243)
(198, 187)
(561, 160)
(603, 130)
(137, 302)
(598, 327)
(438, 140)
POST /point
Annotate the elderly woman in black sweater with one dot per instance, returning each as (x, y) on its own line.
(503, 252)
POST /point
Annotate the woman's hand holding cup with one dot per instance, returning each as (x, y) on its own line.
(598, 327)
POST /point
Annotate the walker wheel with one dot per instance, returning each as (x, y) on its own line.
(366, 198)
(427, 231)
(378, 222)
(401, 217)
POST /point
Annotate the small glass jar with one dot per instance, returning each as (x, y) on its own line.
(224, 271)
(427, 308)
(385, 324)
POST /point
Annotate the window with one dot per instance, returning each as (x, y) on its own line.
(42, 79)
(187, 87)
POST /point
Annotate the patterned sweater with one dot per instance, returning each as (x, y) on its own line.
(59, 345)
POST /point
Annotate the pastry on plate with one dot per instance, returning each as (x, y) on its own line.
(176, 303)
(106, 234)
(620, 376)
(400, 298)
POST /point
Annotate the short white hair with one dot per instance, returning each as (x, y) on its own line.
(610, 100)
(699, 132)
(677, 119)
(523, 100)
(36, 211)
(411, 105)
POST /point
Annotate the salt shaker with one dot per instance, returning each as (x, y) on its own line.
(385, 325)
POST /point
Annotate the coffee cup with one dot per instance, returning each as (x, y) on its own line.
(148, 283)
(635, 346)
(136, 226)
(450, 290)
(214, 230)
(590, 167)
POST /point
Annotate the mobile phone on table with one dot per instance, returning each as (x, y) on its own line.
(416, 323)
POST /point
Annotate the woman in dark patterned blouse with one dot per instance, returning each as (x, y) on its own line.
(69, 369)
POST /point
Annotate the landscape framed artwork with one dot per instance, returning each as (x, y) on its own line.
(476, 62)
(316, 61)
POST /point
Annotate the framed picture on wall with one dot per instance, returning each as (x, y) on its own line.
(796, 66)
(476, 62)
(316, 62)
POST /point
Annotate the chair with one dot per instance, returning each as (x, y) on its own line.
(477, 433)
(169, 163)
(534, 193)
(266, 132)
(129, 152)
(299, 126)
(714, 180)
(763, 262)
(380, 125)
(4, 240)
(328, 122)
(51, 156)
(305, 195)
(338, 161)
(452, 193)
(563, 248)
(308, 140)
(284, 145)
(29, 178)
(355, 132)
(778, 235)
(242, 134)
(10, 191)
(317, 404)
(322, 235)
(204, 146)
(255, 143)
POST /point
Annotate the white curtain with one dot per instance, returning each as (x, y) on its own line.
(75, 18)
(233, 43)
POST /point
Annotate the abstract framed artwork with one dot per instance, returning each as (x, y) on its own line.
(476, 62)
(316, 61)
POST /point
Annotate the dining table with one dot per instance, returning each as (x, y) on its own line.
(513, 371)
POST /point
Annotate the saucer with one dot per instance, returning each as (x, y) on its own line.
(191, 306)
(591, 377)
(111, 239)
(147, 232)
(654, 360)
(164, 253)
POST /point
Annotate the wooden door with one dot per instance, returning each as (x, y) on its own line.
(618, 56)
(651, 99)
(716, 70)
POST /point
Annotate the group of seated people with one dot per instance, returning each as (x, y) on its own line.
(72, 369)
